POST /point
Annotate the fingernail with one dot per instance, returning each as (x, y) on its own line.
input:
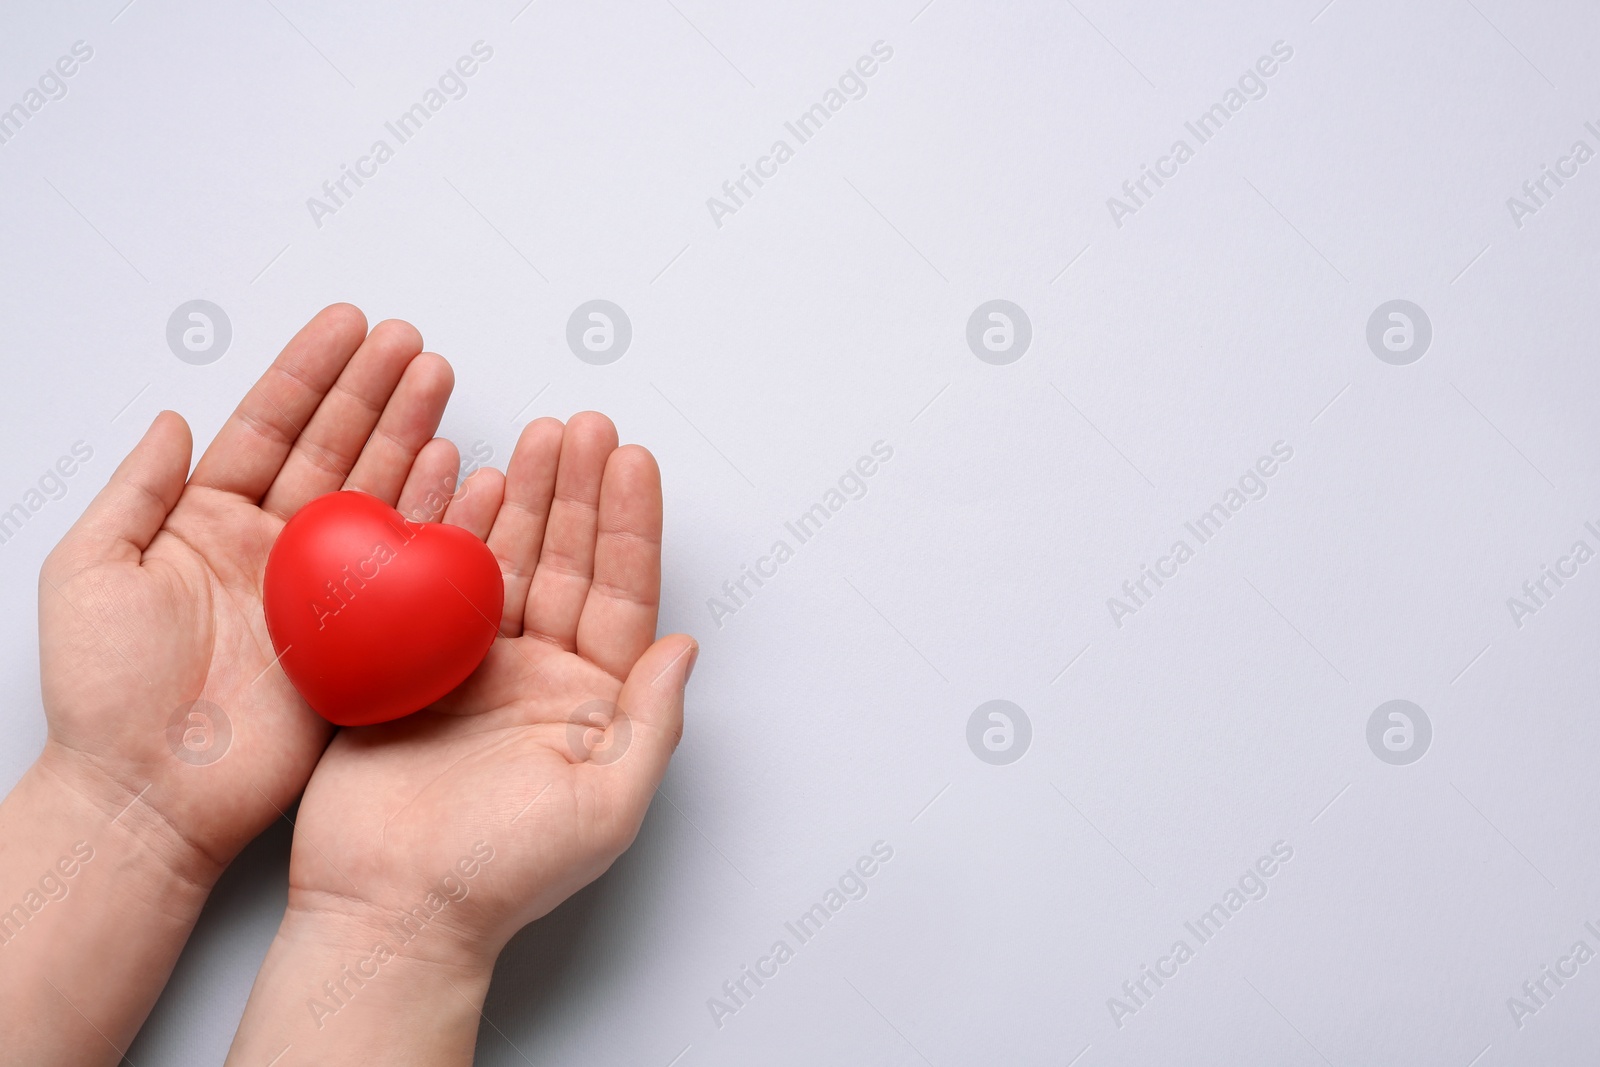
(694, 654)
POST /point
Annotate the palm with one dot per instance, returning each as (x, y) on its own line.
(390, 810)
(516, 757)
(153, 601)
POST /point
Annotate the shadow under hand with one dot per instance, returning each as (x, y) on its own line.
(566, 978)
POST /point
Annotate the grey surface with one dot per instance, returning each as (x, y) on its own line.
(831, 310)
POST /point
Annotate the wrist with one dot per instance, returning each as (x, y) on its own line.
(95, 906)
(159, 851)
(422, 938)
(340, 984)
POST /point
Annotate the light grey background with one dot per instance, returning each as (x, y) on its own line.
(830, 312)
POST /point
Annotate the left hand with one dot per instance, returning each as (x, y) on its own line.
(153, 599)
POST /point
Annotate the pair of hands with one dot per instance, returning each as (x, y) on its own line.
(153, 600)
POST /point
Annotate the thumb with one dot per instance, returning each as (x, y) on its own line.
(123, 518)
(652, 699)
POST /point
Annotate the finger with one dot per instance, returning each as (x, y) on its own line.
(474, 507)
(250, 448)
(518, 532)
(566, 559)
(326, 451)
(406, 425)
(431, 483)
(652, 703)
(121, 520)
(619, 617)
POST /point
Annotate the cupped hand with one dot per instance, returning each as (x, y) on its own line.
(152, 601)
(490, 808)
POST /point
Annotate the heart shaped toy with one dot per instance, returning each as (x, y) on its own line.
(374, 617)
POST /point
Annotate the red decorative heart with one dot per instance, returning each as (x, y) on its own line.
(374, 617)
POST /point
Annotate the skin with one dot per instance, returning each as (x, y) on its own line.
(545, 760)
(153, 600)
